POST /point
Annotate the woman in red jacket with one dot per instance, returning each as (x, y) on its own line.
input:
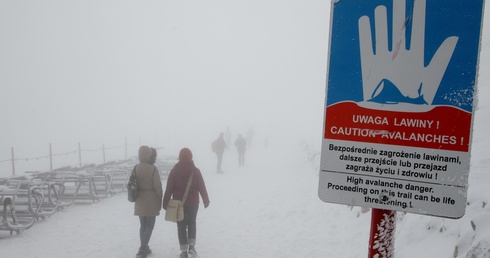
(176, 185)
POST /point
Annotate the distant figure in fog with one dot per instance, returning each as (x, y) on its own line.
(177, 181)
(218, 147)
(149, 200)
(228, 137)
(241, 145)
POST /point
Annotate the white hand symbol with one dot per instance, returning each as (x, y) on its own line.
(403, 67)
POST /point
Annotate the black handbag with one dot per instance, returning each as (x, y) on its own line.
(132, 186)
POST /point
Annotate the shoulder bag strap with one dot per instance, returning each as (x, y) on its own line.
(189, 182)
(134, 171)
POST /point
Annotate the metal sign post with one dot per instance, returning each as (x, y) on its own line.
(381, 238)
(399, 105)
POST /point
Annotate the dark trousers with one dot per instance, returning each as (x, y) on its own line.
(241, 158)
(187, 228)
(147, 223)
(220, 161)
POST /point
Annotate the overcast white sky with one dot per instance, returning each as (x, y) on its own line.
(98, 71)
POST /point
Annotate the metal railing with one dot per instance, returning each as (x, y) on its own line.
(38, 195)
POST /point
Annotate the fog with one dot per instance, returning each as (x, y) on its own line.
(161, 73)
(169, 74)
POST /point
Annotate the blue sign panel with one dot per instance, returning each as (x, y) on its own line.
(438, 22)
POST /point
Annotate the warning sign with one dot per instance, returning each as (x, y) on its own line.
(399, 105)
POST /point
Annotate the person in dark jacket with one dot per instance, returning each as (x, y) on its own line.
(149, 200)
(176, 185)
(219, 146)
(241, 146)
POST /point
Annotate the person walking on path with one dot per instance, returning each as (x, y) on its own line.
(148, 202)
(218, 147)
(176, 185)
(241, 145)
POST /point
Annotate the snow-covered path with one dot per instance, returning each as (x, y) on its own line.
(269, 208)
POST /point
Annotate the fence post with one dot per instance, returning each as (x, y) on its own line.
(50, 159)
(79, 154)
(13, 161)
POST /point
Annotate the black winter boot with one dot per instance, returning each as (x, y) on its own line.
(141, 254)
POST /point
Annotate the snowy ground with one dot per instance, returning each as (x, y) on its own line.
(269, 208)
